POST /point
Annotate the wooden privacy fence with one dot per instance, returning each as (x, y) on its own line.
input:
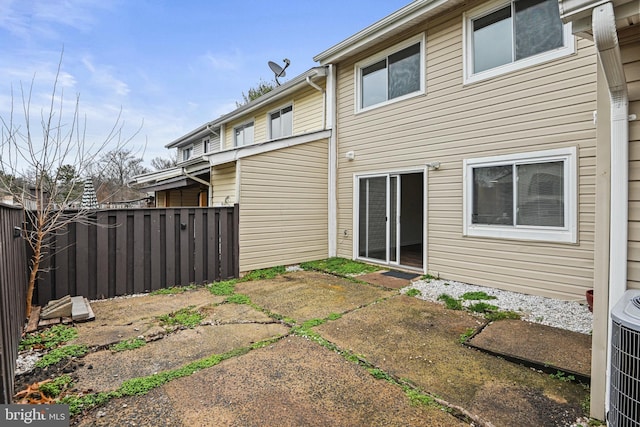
(127, 251)
(13, 291)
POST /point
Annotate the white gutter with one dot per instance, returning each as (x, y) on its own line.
(605, 37)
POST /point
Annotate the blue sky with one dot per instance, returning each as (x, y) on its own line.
(172, 65)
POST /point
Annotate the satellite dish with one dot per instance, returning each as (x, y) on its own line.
(278, 70)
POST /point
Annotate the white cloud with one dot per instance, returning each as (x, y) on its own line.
(103, 77)
(222, 62)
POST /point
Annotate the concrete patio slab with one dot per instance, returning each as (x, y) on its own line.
(293, 382)
(310, 295)
(420, 341)
(545, 347)
(106, 370)
(123, 318)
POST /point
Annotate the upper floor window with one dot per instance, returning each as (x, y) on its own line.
(506, 36)
(243, 134)
(206, 145)
(530, 196)
(281, 122)
(394, 74)
(187, 152)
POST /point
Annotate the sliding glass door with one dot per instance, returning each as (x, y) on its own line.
(390, 218)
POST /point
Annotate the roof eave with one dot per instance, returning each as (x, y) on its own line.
(415, 11)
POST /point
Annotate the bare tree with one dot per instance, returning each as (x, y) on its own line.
(160, 163)
(55, 153)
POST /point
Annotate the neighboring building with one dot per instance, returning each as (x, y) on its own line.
(271, 157)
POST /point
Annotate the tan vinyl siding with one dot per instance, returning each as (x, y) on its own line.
(161, 199)
(307, 111)
(630, 50)
(283, 206)
(223, 179)
(538, 108)
(307, 116)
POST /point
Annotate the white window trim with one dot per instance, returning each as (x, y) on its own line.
(566, 234)
(206, 145)
(243, 125)
(569, 47)
(378, 57)
(275, 110)
(184, 150)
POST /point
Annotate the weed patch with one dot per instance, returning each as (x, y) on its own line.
(173, 290)
(238, 299)
(49, 338)
(465, 336)
(266, 273)
(450, 302)
(341, 266)
(477, 296)
(482, 307)
(58, 354)
(501, 315)
(226, 287)
(131, 344)
(412, 292)
(187, 317)
(57, 386)
(563, 376)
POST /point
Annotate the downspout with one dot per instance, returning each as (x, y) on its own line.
(605, 37)
(324, 100)
(333, 163)
(201, 181)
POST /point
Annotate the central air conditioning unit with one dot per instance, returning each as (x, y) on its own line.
(624, 388)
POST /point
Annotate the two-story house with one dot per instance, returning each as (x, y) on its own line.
(270, 156)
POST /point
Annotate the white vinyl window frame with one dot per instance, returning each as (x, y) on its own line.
(242, 128)
(206, 145)
(361, 65)
(469, 76)
(566, 234)
(282, 132)
(187, 153)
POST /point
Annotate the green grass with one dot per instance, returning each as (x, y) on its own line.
(334, 316)
(477, 295)
(49, 338)
(450, 302)
(187, 317)
(58, 354)
(429, 277)
(131, 344)
(341, 266)
(412, 292)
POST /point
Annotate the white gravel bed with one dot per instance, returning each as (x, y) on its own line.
(569, 315)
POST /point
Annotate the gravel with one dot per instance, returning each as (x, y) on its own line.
(569, 315)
